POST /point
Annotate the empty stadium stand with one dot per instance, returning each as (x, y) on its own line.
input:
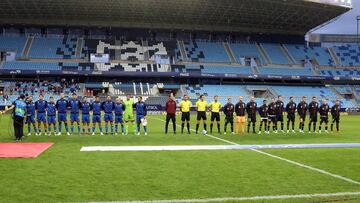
(302, 52)
(59, 48)
(275, 53)
(348, 54)
(340, 72)
(13, 44)
(285, 71)
(246, 50)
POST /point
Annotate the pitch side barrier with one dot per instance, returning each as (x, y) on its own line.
(115, 73)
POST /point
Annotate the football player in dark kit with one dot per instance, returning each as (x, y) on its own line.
(229, 109)
(280, 113)
(302, 108)
(263, 111)
(240, 108)
(324, 115)
(272, 115)
(313, 110)
(290, 110)
(251, 111)
(335, 114)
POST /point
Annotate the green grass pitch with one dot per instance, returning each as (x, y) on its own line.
(64, 174)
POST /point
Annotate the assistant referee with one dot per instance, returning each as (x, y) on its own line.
(215, 107)
(201, 106)
(185, 106)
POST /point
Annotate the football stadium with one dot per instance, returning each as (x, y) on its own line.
(174, 101)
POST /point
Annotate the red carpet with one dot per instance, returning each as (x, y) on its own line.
(23, 150)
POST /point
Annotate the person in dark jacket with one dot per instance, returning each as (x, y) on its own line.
(324, 115)
(229, 109)
(272, 108)
(313, 111)
(170, 108)
(240, 109)
(280, 113)
(302, 108)
(290, 110)
(335, 114)
(263, 111)
(251, 108)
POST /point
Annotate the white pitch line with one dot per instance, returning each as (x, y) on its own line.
(286, 160)
(225, 199)
(214, 147)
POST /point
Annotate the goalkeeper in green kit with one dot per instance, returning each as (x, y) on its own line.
(129, 114)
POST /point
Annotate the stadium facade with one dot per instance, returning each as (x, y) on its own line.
(151, 48)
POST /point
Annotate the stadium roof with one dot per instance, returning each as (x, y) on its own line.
(259, 16)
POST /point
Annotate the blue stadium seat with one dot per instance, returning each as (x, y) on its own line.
(301, 52)
(226, 69)
(348, 54)
(15, 44)
(246, 50)
(340, 72)
(275, 53)
(285, 71)
(59, 48)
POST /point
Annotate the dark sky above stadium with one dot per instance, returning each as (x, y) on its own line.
(346, 24)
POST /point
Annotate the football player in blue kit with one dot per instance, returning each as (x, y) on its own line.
(119, 109)
(96, 107)
(62, 106)
(51, 115)
(75, 106)
(30, 115)
(40, 107)
(85, 115)
(140, 109)
(108, 107)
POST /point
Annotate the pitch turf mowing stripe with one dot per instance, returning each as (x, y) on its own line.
(214, 147)
(287, 160)
(254, 198)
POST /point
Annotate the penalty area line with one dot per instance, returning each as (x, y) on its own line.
(254, 198)
(284, 159)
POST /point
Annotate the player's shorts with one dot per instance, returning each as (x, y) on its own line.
(291, 117)
(336, 119)
(119, 119)
(185, 116)
(201, 115)
(215, 116)
(324, 119)
(229, 119)
(128, 117)
(108, 117)
(313, 118)
(30, 119)
(85, 118)
(74, 117)
(62, 117)
(139, 117)
(51, 119)
(264, 119)
(96, 118)
(252, 119)
(272, 118)
(280, 118)
(240, 119)
(41, 117)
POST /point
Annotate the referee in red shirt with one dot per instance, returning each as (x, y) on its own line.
(170, 108)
